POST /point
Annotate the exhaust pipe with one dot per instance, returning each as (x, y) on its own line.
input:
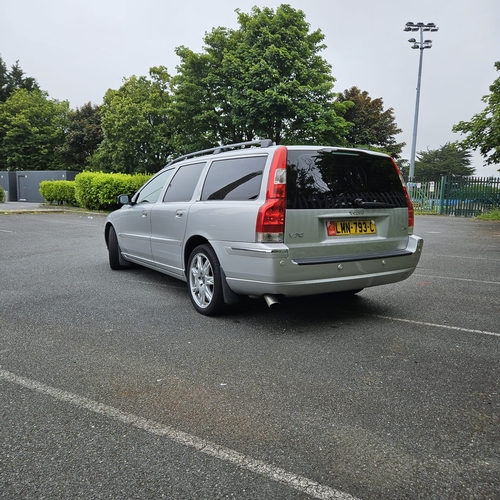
(272, 300)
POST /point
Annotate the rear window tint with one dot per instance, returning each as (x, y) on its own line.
(182, 186)
(234, 179)
(339, 179)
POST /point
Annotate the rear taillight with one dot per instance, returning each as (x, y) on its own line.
(270, 225)
(411, 213)
(409, 204)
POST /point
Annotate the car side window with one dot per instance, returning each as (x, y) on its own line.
(234, 179)
(152, 190)
(183, 184)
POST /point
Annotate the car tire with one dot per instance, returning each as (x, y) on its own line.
(116, 261)
(205, 281)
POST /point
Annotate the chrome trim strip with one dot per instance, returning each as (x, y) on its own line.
(260, 250)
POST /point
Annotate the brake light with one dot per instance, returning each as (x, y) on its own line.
(409, 204)
(411, 213)
(270, 225)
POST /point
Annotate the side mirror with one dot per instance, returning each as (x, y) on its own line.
(124, 199)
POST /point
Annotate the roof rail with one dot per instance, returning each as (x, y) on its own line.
(264, 143)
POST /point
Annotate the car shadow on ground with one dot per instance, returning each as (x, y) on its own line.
(294, 313)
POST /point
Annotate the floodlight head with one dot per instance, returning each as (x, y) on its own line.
(412, 40)
(415, 46)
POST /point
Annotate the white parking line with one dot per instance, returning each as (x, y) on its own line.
(435, 325)
(475, 257)
(457, 279)
(269, 471)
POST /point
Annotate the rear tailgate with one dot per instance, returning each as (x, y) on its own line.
(344, 203)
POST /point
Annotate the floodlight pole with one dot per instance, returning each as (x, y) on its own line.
(421, 45)
(415, 119)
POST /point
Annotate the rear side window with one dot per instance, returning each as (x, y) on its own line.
(234, 179)
(183, 184)
(339, 179)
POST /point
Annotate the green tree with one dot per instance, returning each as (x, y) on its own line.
(84, 135)
(484, 128)
(373, 127)
(263, 80)
(13, 80)
(136, 123)
(449, 159)
(32, 131)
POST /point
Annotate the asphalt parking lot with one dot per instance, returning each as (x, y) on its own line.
(112, 386)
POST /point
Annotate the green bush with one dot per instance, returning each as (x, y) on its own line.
(99, 191)
(2, 195)
(61, 192)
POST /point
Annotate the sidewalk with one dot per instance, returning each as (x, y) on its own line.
(26, 206)
(14, 206)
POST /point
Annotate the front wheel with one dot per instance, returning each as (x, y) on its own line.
(116, 261)
(204, 281)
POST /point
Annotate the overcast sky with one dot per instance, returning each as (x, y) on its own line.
(78, 49)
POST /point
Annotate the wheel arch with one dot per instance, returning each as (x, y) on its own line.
(190, 245)
(106, 233)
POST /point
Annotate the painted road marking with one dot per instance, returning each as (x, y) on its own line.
(457, 279)
(435, 325)
(300, 483)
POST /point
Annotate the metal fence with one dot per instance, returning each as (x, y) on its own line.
(464, 197)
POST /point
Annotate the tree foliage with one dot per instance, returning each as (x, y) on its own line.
(137, 126)
(484, 128)
(372, 126)
(32, 131)
(13, 79)
(84, 135)
(449, 160)
(263, 80)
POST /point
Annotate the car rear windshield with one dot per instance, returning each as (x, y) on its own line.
(326, 179)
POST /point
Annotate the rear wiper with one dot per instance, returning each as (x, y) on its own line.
(359, 203)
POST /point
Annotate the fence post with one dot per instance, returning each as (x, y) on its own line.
(441, 195)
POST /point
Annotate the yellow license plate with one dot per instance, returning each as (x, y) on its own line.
(348, 228)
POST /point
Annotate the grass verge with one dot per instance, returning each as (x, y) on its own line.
(493, 215)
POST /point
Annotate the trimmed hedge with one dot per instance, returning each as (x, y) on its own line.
(2, 195)
(99, 191)
(61, 192)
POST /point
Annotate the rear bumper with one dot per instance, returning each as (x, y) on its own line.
(269, 270)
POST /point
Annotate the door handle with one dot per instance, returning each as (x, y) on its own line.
(179, 213)
(144, 214)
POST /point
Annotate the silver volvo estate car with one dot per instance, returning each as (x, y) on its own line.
(269, 221)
